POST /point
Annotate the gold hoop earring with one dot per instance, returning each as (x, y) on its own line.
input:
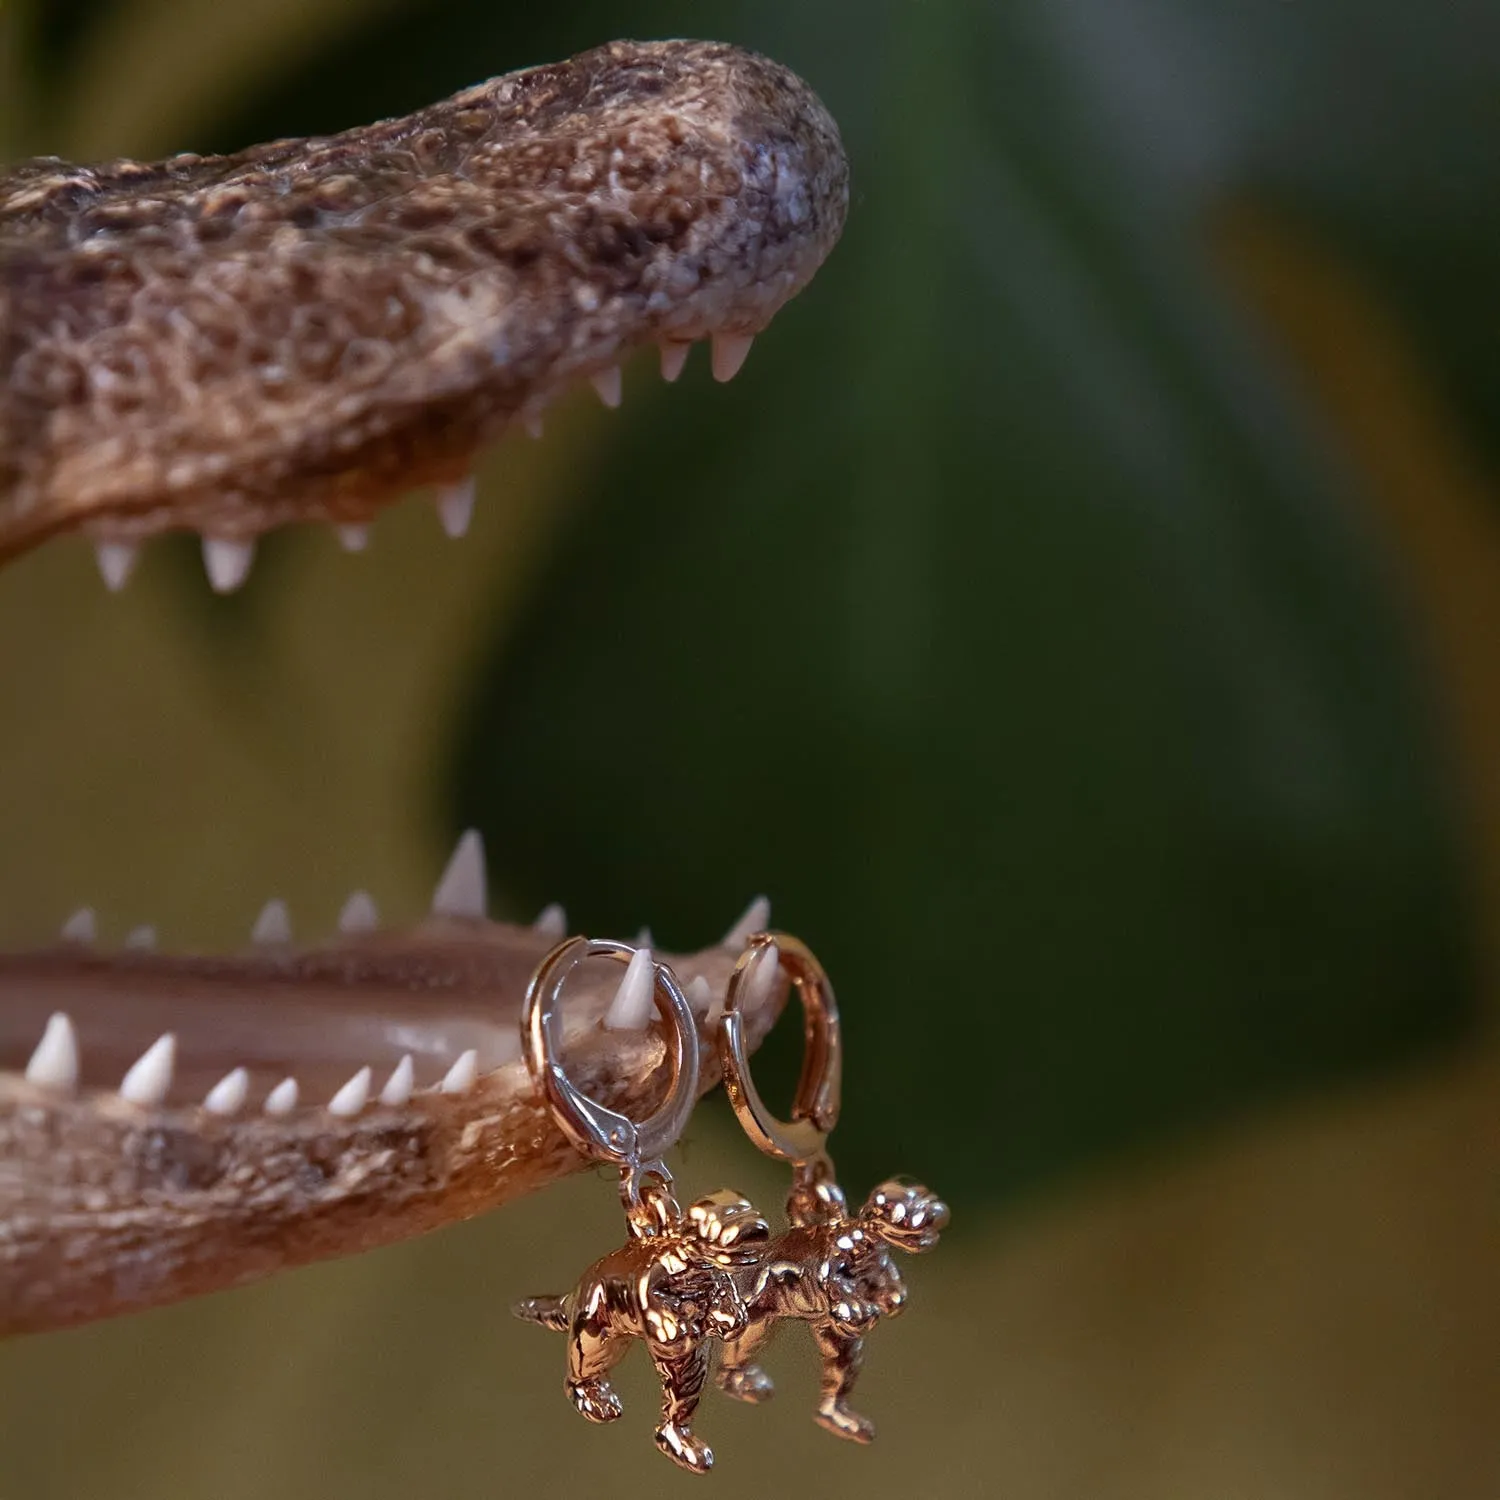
(670, 1285)
(831, 1269)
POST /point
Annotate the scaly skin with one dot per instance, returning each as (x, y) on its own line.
(309, 329)
(305, 332)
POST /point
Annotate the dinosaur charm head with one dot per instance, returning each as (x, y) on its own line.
(905, 1214)
(730, 1227)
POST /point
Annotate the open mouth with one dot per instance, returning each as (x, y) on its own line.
(302, 333)
(369, 1018)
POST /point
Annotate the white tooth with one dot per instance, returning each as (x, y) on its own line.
(397, 1088)
(730, 350)
(116, 562)
(150, 1075)
(455, 507)
(673, 358)
(227, 562)
(273, 925)
(762, 978)
(282, 1100)
(80, 928)
(228, 1095)
(353, 1096)
(610, 385)
(631, 1007)
(459, 1079)
(532, 421)
(353, 538)
(700, 993)
(643, 938)
(54, 1064)
(755, 919)
(359, 914)
(551, 921)
(142, 938)
(462, 890)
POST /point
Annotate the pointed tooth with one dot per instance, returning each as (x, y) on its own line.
(730, 351)
(532, 421)
(353, 1096)
(273, 926)
(397, 1088)
(228, 1095)
(674, 355)
(227, 562)
(117, 562)
(763, 978)
(462, 890)
(353, 538)
(359, 913)
(150, 1075)
(54, 1064)
(610, 384)
(282, 1100)
(80, 927)
(142, 938)
(643, 938)
(632, 1005)
(551, 921)
(755, 919)
(700, 993)
(455, 507)
(460, 1078)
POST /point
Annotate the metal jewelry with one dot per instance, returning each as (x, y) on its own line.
(830, 1269)
(671, 1284)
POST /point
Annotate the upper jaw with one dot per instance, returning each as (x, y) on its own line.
(226, 345)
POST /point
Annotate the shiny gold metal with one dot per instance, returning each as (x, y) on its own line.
(803, 1139)
(671, 1285)
(830, 1269)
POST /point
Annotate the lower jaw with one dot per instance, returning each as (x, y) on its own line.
(175, 1124)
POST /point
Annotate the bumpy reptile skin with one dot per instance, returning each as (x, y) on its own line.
(309, 328)
(305, 331)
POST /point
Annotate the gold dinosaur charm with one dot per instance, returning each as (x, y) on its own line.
(830, 1269)
(670, 1284)
(669, 1287)
(833, 1271)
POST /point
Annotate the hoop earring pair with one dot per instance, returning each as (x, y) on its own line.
(683, 1282)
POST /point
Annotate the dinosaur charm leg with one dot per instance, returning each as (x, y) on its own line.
(592, 1353)
(843, 1357)
(738, 1374)
(682, 1380)
(591, 1356)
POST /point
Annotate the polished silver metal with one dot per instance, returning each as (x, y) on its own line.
(601, 1133)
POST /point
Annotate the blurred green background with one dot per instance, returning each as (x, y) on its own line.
(1080, 617)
